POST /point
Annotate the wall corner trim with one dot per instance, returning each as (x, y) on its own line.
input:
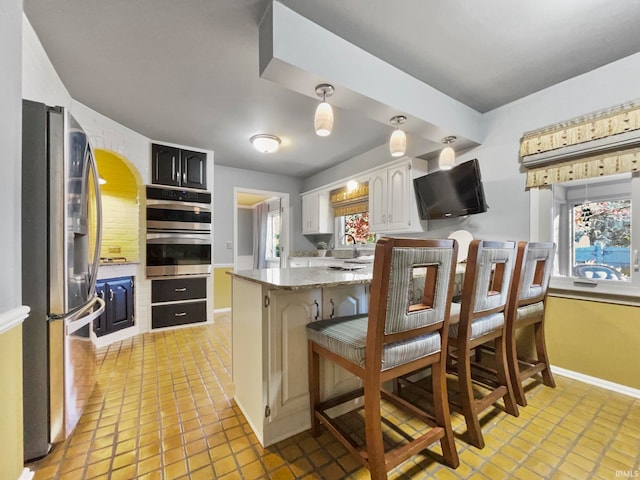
(598, 382)
(13, 317)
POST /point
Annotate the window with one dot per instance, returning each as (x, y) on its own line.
(354, 225)
(273, 235)
(598, 240)
(357, 225)
(593, 230)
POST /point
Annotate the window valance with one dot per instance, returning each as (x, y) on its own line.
(345, 201)
(602, 143)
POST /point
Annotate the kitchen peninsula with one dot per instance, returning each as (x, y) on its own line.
(270, 309)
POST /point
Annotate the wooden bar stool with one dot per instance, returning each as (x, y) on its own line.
(395, 338)
(477, 320)
(527, 304)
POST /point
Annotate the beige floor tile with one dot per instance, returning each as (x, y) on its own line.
(164, 409)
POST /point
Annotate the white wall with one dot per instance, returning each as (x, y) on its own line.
(225, 179)
(11, 147)
(502, 174)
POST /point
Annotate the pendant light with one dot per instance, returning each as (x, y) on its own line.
(447, 155)
(398, 140)
(323, 119)
(265, 143)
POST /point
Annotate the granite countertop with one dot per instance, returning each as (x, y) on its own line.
(305, 277)
(117, 264)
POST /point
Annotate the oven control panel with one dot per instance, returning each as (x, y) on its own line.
(178, 194)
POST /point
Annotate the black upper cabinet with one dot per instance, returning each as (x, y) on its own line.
(177, 167)
(194, 169)
(165, 165)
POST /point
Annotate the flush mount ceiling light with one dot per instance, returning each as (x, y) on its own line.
(398, 140)
(265, 143)
(323, 119)
(447, 155)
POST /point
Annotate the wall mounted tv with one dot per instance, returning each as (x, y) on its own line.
(451, 193)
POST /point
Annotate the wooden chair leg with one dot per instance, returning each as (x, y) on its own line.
(514, 369)
(467, 400)
(373, 431)
(397, 387)
(541, 350)
(443, 415)
(502, 372)
(314, 389)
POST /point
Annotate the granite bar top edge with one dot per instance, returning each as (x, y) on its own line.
(304, 277)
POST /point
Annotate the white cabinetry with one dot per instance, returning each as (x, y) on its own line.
(316, 213)
(270, 356)
(392, 201)
(289, 313)
(341, 301)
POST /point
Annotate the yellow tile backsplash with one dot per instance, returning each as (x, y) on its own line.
(121, 196)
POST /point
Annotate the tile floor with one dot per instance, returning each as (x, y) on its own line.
(163, 409)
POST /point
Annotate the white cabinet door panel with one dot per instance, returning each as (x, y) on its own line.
(288, 371)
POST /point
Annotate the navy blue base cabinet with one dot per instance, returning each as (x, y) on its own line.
(117, 294)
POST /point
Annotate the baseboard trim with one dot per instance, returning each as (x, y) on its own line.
(26, 474)
(222, 310)
(118, 336)
(598, 382)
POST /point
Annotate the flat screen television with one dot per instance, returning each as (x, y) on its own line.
(451, 193)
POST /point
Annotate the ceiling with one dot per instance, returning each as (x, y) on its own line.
(187, 72)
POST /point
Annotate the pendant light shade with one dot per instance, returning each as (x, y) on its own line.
(398, 140)
(447, 155)
(323, 119)
(265, 143)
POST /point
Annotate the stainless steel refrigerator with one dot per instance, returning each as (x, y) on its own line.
(61, 232)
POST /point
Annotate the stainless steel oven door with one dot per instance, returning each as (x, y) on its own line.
(178, 216)
(170, 254)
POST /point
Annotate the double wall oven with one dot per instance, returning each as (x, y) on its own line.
(178, 232)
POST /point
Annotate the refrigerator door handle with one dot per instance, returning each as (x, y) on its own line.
(98, 244)
(76, 321)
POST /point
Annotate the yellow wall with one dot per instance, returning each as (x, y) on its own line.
(120, 206)
(597, 339)
(11, 454)
(221, 287)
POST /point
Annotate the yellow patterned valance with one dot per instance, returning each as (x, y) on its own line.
(602, 143)
(600, 165)
(597, 125)
(347, 201)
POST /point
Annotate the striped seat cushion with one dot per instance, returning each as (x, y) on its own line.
(528, 311)
(347, 337)
(479, 326)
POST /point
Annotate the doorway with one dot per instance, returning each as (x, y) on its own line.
(274, 234)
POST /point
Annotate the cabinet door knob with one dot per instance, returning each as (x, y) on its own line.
(181, 314)
(315, 302)
(333, 308)
(183, 289)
